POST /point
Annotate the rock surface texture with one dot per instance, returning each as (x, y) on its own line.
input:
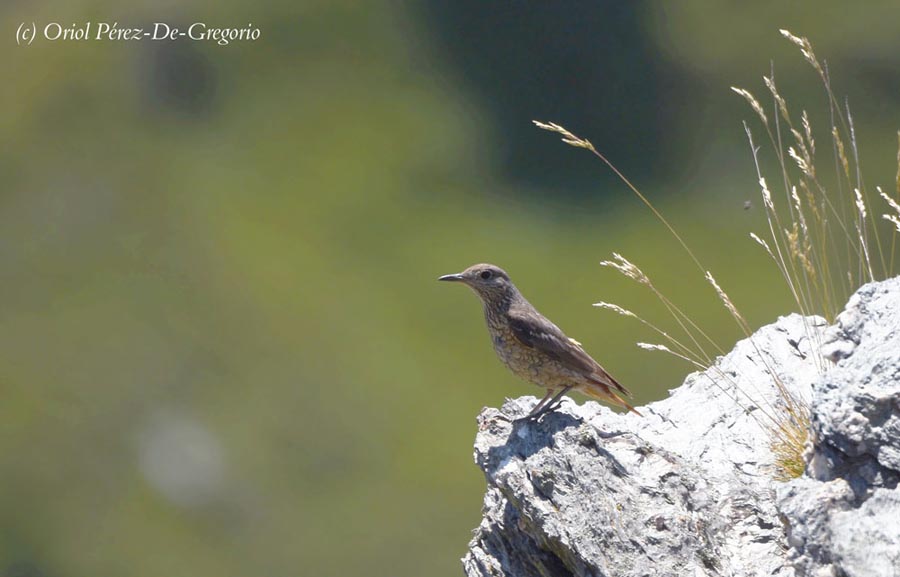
(688, 489)
(843, 516)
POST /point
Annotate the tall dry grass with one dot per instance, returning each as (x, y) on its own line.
(823, 237)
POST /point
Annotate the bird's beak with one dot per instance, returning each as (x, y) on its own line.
(452, 277)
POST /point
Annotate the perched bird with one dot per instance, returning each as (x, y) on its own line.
(534, 348)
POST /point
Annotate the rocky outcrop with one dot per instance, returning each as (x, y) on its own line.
(843, 516)
(688, 489)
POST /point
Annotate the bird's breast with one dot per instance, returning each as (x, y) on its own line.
(517, 358)
(501, 344)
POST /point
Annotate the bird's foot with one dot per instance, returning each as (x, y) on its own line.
(535, 416)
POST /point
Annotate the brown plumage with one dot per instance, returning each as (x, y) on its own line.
(534, 348)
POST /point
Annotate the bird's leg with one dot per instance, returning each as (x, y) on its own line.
(557, 400)
(538, 407)
(545, 407)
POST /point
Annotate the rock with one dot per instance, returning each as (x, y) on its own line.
(843, 517)
(688, 489)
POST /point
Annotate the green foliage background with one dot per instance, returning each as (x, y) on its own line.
(223, 349)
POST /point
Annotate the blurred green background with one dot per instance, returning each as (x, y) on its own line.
(224, 351)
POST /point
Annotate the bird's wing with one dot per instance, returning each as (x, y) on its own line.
(533, 330)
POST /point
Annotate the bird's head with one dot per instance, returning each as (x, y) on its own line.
(489, 282)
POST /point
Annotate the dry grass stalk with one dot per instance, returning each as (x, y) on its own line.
(821, 257)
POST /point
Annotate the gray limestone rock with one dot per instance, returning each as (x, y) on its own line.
(688, 488)
(843, 517)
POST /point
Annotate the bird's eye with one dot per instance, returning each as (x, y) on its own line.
(485, 274)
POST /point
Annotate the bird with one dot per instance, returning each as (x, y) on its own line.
(534, 348)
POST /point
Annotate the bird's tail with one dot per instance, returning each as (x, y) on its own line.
(601, 377)
(600, 390)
